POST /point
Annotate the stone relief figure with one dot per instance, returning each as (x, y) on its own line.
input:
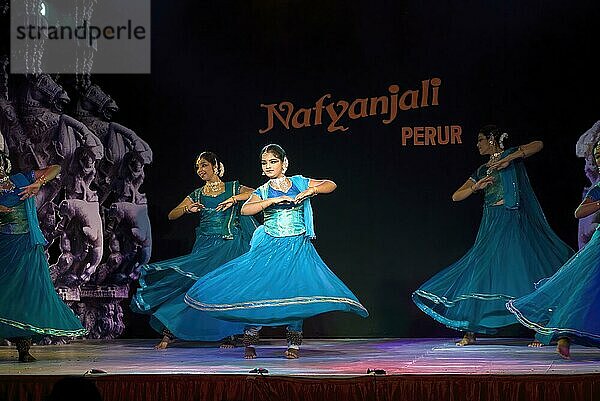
(95, 109)
(585, 148)
(65, 261)
(18, 143)
(54, 136)
(113, 262)
(119, 177)
(80, 227)
(129, 224)
(88, 316)
(130, 178)
(81, 174)
(104, 319)
(111, 321)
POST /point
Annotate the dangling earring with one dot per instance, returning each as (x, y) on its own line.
(263, 173)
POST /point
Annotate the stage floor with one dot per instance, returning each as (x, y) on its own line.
(320, 357)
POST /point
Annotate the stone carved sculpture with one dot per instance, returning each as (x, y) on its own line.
(80, 227)
(125, 152)
(119, 178)
(72, 207)
(113, 262)
(56, 138)
(130, 227)
(103, 317)
(96, 199)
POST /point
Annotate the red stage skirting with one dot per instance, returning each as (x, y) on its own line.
(273, 388)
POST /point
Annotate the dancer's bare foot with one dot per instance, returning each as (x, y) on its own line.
(468, 339)
(249, 353)
(26, 357)
(564, 347)
(535, 344)
(164, 343)
(292, 353)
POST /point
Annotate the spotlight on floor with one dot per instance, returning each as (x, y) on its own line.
(376, 371)
(260, 371)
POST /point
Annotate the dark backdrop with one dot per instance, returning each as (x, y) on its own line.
(391, 224)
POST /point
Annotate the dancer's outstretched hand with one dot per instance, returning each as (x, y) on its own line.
(4, 209)
(484, 182)
(30, 190)
(307, 193)
(226, 204)
(195, 207)
(500, 164)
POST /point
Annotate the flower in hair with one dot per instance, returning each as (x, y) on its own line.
(501, 139)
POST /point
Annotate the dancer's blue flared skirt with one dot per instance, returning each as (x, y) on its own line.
(568, 304)
(281, 280)
(164, 284)
(29, 304)
(512, 252)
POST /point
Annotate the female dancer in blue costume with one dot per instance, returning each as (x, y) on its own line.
(565, 307)
(281, 280)
(515, 247)
(221, 235)
(29, 305)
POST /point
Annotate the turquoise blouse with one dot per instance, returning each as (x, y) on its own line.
(213, 222)
(284, 220)
(15, 222)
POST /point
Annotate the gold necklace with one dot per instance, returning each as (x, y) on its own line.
(281, 184)
(493, 158)
(213, 189)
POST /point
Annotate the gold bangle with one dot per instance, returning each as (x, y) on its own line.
(43, 180)
(185, 209)
(315, 190)
(234, 199)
